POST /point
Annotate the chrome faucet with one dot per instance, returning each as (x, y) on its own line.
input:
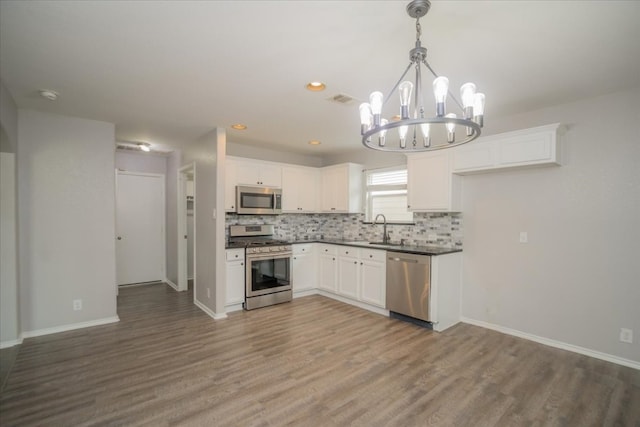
(385, 236)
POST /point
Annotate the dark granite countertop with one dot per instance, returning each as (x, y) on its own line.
(419, 250)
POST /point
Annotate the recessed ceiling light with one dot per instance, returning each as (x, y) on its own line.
(51, 95)
(316, 86)
(314, 142)
(238, 126)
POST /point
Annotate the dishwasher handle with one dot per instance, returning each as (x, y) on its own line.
(398, 259)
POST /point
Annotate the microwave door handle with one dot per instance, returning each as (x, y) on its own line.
(274, 201)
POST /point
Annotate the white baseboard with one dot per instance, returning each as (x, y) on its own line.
(170, 283)
(71, 327)
(10, 343)
(553, 343)
(305, 293)
(209, 312)
(233, 307)
(362, 305)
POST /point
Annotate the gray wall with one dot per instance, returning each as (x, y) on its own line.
(141, 162)
(174, 162)
(9, 314)
(577, 280)
(66, 201)
(261, 153)
(208, 154)
(9, 278)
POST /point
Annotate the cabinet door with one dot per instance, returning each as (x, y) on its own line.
(431, 186)
(258, 173)
(335, 190)
(308, 190)
(290, 189)
(270, 175)
(304, 271)
(373, 282)
(348, 276)
(235, 282)
(328, 272)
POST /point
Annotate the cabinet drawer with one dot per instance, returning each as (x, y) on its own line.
(302, 248)
(372, 255)
(328, 249)
(348, 251)
(235, 254)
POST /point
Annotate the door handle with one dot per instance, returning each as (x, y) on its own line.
(119, 238)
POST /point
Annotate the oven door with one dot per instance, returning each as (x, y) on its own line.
(268, 273)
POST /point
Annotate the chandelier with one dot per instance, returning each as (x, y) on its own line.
(412, 124)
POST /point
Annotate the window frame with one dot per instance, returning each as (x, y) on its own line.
(367, 202)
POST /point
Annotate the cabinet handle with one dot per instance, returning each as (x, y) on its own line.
(370, 256)
(333, 259)
(355, 262)
(360, 263)
(242, 263)
(347, 252)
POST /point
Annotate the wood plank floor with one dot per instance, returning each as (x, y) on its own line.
(312, 362)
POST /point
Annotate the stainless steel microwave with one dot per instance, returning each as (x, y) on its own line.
(258, 200)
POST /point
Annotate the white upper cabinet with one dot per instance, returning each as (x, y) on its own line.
(342, 188)
(523, 148)
(300, 189)
(431, 186)
(249, 172)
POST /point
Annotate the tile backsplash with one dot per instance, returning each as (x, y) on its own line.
(441, 229)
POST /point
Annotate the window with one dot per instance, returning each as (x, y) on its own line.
(386, 193)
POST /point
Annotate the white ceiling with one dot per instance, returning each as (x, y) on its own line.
(167, 72)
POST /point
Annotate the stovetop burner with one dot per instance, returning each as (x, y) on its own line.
(251, 236)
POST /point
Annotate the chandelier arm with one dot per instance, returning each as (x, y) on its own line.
(458, 103)
(398, 83)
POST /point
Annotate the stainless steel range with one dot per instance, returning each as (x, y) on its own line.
(268, 278)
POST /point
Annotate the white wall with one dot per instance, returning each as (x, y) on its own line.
(208, 153)
(9, 316)
(66, 200)
(577, 281)
(370, 159)
(141, 162)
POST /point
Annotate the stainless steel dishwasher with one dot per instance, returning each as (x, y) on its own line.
(409, 285)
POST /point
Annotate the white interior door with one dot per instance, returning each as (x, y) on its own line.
(140, 249)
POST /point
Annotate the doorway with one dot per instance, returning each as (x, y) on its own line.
(140, 224)
(186, 227)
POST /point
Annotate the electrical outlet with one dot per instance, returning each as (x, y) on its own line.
(208, 293)
(626, 335)
(524, 237)
(77, 304)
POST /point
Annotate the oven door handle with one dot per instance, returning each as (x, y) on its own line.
(260, 257)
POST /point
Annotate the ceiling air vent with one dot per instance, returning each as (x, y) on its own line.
(343, 99)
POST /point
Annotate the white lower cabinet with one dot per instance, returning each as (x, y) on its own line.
(235, 279)
(327, 267)
(373, 277)
(362, 275)
(348, 272)
(305, 271)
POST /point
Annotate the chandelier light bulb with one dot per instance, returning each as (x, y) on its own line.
(376, 99)
(451, 128)
(365, 117)
(467, 93)
(425, 128)
(478, 108)
(383, 133)
(402, 131)
(440, 90)
(405, 89)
